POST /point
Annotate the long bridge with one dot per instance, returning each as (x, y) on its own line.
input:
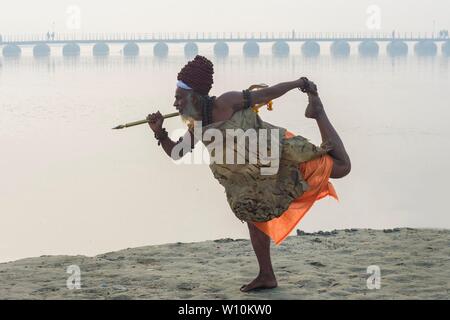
(368, 45)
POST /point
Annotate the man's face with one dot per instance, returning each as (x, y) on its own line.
(187, 104)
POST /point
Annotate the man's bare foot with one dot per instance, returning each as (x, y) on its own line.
(261, 282)
(315, 106)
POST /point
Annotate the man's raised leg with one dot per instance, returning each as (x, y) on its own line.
(315, 110)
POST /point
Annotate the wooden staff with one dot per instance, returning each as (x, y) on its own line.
(136, 123)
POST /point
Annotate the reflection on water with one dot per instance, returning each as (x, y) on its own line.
(263, 62)
(71, 185)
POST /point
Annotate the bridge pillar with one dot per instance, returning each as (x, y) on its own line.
(280, 49)
(190, 49)
(397, 48)
(100, 49)
(368, 48)
(131, 49)
(71, 50)
(251, 49)
(446, 48)
(340, 48)
(310, 49)
(161, 50)
(425, 48)
(12, 50)
(41, 50)
(221, 49)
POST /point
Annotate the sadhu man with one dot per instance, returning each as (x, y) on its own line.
(271, 205)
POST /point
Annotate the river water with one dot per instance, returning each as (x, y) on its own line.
(71, 185)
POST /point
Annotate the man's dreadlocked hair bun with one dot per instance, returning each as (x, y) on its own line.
(198, 74)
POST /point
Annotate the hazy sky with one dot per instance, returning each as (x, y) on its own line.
(25, 16)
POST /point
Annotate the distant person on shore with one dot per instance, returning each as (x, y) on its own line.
(271, 204)
(53, 36)
(48, 35)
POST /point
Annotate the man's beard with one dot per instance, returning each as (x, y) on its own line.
(190, 114)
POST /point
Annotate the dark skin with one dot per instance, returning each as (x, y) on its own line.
(223, 109)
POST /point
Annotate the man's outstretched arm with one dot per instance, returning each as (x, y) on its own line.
(236, 99)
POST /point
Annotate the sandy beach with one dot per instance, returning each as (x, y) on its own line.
(413, 264)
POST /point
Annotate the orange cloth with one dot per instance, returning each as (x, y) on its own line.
(316, 172)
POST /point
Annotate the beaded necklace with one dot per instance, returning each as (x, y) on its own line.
(207, 110)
